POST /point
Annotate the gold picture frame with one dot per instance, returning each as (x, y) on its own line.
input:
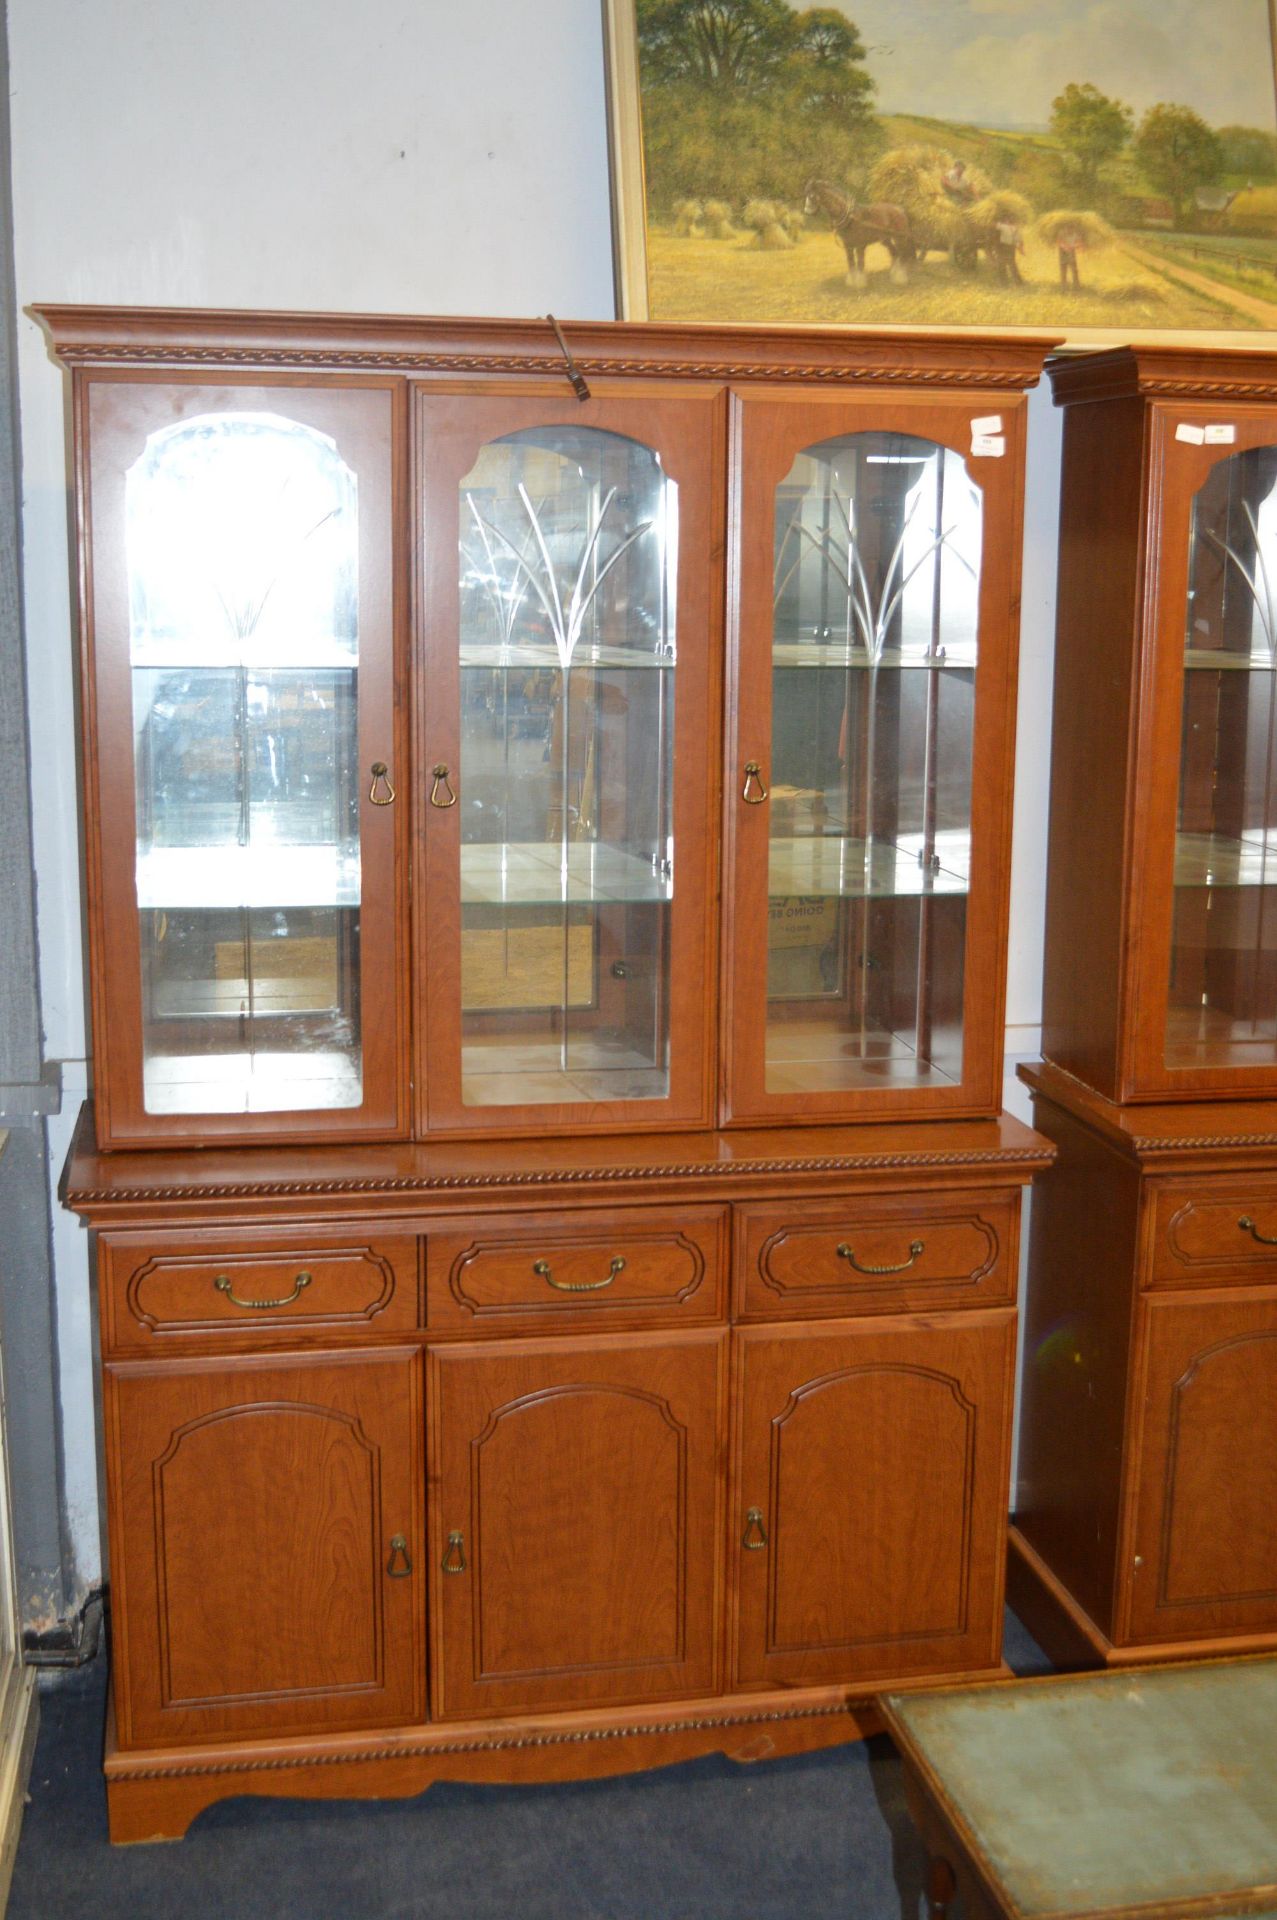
(1183, 282)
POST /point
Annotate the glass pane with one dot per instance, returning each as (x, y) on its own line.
(242, 559)
(1223, 987)
(567, 566)
(876, 600)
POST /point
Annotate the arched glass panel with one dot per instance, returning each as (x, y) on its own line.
(1223, 985)
(568, 557)
(876, 598)
(242, 545)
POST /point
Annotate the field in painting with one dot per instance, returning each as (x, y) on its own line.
(1133, 285)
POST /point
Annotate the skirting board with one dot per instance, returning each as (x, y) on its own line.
(19, 1723)
(155, 1794)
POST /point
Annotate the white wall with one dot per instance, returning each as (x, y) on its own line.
(409, 156)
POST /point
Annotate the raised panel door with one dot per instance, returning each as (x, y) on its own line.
(1204, 1555)
(870, 1508)
(576, 1530)
(266, 1545)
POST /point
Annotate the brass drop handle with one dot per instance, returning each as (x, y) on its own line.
(754, 1538)
(454, 1556)
(399, 1551)
(753, 778)
(380, 777)
(1247, 1225)
(863, 1266)
(225, 1284)
(442, 779)
(542, 1267)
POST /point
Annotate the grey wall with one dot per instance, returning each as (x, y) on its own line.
(45, 1573)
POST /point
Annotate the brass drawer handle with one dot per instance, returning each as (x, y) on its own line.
(1247, 1225)
(380, 775)
(754, 1525)
(542, 1268)
(441, 778)
(224, 1284)
(863, 1266)
(399, 1551)
(454, 1557)
(753, 778)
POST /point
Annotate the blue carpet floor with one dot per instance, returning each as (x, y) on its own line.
(810, 1838)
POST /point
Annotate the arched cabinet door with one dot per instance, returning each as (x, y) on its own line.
(247, 861)
(867, 819)
(266, 1546)
(870, 1509)
(567, 743)
(576, 1530)
(1204, 1557)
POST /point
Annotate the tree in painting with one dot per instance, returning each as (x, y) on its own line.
(1091, 129)
(748, 98)
(1177, 152)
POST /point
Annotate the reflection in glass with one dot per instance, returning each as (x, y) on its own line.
(1223, 987)
(876, 603)
(243, 597)
(567, 569)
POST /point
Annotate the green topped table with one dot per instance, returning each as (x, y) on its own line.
(1149, 1791)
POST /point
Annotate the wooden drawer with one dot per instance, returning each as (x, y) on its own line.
(876, 1253)
(246, 1286)
(532, 1270)
(1210, 1230)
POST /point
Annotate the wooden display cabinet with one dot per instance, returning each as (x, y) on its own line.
(471, 1262)
(1149, 1451)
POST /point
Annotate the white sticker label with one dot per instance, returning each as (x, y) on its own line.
(1222, 436)
(987, 423)
(1194, 435)
(989, 445)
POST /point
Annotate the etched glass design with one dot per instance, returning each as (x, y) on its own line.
(242, 553)
(875, 632)
(1222, 1009)
(567, 581)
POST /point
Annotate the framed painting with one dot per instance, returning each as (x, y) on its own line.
(1101, 170)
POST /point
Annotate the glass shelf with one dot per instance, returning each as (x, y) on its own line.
(545, 873)
(274, 653)
(544, 658)
(1221, 660)
(1217, 860)
(252, 876)
(843, 867)
(818, 653)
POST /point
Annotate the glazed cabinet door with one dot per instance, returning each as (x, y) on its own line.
(266, 1543)
(570, 592)
(1202, 996)
(1205, 1539)
(869, 776)
(247, 863)
(576, 1521)
(870, 1508)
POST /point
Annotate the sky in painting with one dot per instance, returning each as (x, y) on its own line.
(1001, 62)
